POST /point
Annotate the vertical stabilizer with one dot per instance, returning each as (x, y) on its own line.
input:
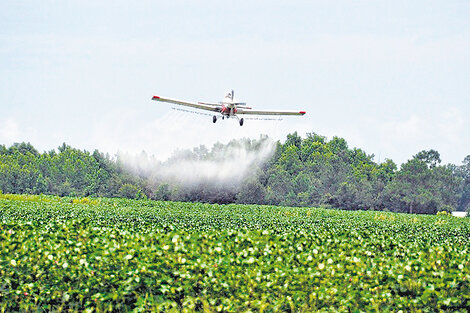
(229, 96)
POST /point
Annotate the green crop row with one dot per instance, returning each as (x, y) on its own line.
(108, 255)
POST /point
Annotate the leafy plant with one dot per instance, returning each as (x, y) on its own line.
(108, 255)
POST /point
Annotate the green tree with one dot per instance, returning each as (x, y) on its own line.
(464, 173)
(431, 157)
(421, 186)
(163, 192)
(251, 192)
(130, 191)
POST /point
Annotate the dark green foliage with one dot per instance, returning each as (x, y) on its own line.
(251, 192)
(163, 192)
(464, 172)
(318, 172)
(71, 172)
(421, 186)
(311, 171)
(130, 191)
(430, 157)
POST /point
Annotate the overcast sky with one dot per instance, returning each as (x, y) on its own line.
(391, 77)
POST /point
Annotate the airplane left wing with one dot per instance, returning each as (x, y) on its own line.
(199, 105)
(263, 112)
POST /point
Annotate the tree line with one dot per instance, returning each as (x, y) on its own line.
(310, 171)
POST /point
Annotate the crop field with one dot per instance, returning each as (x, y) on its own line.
(117, 255)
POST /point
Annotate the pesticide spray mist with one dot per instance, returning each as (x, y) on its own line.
(223, 167)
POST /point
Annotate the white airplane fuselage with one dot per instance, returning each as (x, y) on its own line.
(228, 109)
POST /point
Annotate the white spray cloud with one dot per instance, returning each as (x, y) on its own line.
(222, 165)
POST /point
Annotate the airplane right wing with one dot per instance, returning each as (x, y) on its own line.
(199, 105)
(265, 112)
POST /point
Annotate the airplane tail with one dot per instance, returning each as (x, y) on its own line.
(229, 96)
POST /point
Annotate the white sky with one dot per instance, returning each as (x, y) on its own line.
(391, 77)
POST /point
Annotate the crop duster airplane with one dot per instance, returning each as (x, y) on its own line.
(227, 108)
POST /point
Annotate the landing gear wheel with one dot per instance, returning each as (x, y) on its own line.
(241, 122)
(214, 119)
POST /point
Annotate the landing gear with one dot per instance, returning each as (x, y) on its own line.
(214, 119)
(241, 122)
